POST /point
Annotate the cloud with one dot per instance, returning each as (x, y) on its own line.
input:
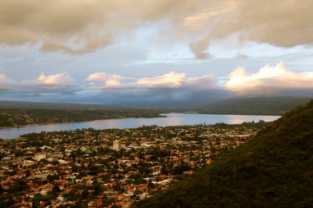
(281, 23)
(88, 47)
(172, 88)
(268, 80)
(199, 48)
(170, 80)
(4, 81)
(52, 86)
(84, 26)
(66, 25)
(108, 80)
(203, 82)
(55, 80)
(179, 81)
(175, 88)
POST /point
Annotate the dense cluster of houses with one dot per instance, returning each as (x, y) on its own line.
(107, 168)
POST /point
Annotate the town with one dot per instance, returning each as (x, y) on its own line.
(108, 168)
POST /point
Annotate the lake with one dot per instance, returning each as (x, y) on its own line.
(170, 119)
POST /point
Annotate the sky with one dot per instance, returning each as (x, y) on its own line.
(154, 52)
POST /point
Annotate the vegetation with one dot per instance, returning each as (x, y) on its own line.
(255, 105)
(275, 169)
(18, 114)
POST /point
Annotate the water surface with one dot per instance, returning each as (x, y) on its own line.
(170, 119)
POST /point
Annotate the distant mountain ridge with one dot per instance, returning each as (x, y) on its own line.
(231, 105)
(275, 169)
(254, 105)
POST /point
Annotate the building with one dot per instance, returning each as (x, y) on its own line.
(116, 145)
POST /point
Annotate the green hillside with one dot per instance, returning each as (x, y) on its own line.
(275, 169)
(254, 105)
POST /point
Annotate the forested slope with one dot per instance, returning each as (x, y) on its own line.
(275, 169)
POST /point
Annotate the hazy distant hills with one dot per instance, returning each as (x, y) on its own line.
(212, 105)
(275, 169)
(13, 114)
(254, 105)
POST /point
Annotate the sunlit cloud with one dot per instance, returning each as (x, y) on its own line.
(108, 80)
(175, 80)
(50, 86)
(269, 79)
(172, 87)
(171, 80)
(55, 80)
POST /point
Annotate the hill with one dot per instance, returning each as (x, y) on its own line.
(13, 114)
(275, 169)
(254, 105)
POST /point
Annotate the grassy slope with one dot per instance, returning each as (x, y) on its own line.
(275, 169)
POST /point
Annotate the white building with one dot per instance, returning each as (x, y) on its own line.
(116, 145)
